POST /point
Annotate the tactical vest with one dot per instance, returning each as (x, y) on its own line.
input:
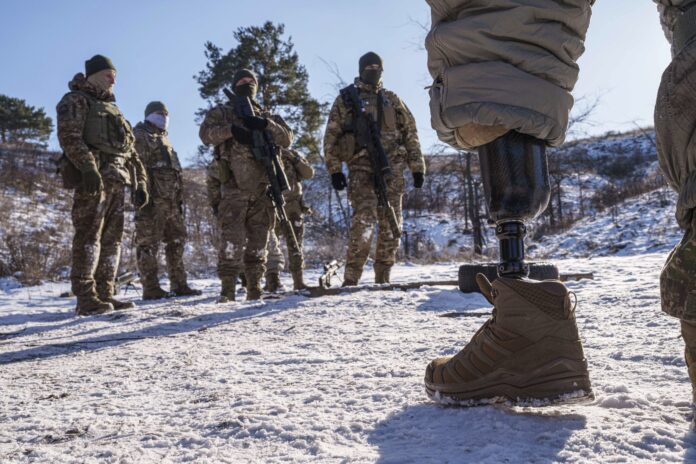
(168, 158)
(106, 130)
(377, 104)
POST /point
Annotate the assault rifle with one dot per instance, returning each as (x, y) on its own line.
(124, 280)
(266, 152)
(368, 136)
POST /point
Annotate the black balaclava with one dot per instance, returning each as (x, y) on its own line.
(370, 76)
(245, 90)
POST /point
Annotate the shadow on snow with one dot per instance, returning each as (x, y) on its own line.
(428, 433)
(163, 329)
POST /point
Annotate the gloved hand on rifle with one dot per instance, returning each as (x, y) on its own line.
(338, 180)
(418, 179)
(242, 135)
(141, 198)
(92, 180)
(255, 123)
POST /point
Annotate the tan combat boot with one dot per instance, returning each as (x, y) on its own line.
(528, 350)
(298, 280)
(154, 293)
(272, 282)
(90, 305)
(253, 292)
(351, 276)
(106, 294)
(119, 304)
(382, 274)
(185, 290)
(228, 291)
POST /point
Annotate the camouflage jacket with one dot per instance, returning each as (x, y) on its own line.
(247, 174)
(297, 169)
(73, 111)
(160, 161)
(670, 12)
(398, 131)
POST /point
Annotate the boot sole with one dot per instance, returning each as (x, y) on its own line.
(555, 390)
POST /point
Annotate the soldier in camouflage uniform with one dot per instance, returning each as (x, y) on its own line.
(98, 142)
(675, 123)
(162, 219)
(245, 212)
(400, 140)
(297, 169)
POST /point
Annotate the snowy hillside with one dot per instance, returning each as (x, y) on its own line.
(335, 379)
(644, 224)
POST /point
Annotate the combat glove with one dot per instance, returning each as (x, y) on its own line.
(242, 135)
(338, 180)
(92, 180)
(255, 123)
(418, 179)
(141, 198)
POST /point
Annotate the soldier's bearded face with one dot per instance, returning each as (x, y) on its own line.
(103, 80)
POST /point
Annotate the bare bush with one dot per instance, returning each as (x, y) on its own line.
(35, 256)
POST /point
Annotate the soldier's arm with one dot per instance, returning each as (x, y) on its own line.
(212, 184)
(409, 135)
(72, 114)
(334, 131)
(140, 172)
(670, 12)
(281, 132)
(215, 129)
(142, 147)
(304, 170)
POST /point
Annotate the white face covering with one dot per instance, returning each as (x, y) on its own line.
(158, 120)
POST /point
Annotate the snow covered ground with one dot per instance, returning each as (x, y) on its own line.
(334, 379)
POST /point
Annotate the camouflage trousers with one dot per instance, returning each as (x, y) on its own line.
(688, 331)
(96, 249)
(162, 220)
(276, 259)
(678, 278)
(363, 201)
(678, 294)
(245, 222)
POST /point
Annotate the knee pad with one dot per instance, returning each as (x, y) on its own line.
(515, 176)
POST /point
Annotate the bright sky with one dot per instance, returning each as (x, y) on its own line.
(157, 46)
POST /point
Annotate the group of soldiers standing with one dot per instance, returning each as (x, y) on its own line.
(103, 155)
(497, 87)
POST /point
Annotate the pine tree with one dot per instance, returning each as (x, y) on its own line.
(21, 123)
(282, 80)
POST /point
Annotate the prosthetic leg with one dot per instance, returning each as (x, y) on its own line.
(530, 348)
(515, 176)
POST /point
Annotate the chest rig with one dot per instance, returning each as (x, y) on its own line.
(166, 157)
(377, 104)
(106, 130)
